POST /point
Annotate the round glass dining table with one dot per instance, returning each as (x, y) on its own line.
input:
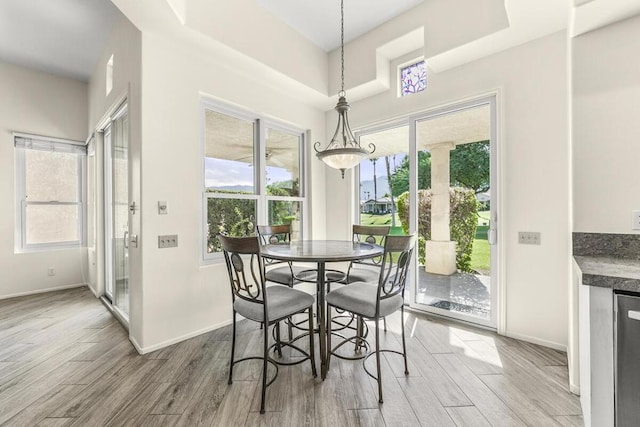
(321, 252)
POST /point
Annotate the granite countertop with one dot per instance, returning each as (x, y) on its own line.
(610, 272)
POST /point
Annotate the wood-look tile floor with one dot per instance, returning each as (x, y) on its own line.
(65, 361)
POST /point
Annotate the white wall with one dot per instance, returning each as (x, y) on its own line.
(534, 150)
(606, 127)
(182, 297)
(247, 27)
(124, 43)
(42, 104)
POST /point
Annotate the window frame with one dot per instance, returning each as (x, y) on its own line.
(261, 123)
(21, 225)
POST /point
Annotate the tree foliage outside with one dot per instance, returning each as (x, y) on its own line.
(237, 216)
(462, 224)
(469, 167)
(399, 180)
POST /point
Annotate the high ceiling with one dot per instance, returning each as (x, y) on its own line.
(66, 37)
(63, 37)
(319, 21)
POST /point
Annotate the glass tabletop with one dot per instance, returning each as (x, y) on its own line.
(321, 250)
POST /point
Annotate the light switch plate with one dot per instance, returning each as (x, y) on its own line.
(635, 224)
(529, 238)
(163, 208)
(168, 241)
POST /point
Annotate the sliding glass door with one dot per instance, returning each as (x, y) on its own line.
(432, 174)
(116, 193)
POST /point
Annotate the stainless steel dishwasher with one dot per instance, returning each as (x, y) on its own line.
(627, 357)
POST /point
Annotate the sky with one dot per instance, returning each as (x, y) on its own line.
(221, 173)
(366, 167)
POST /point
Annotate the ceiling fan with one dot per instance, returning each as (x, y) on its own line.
(271, 155)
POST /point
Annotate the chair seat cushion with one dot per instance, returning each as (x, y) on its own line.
(360, 298)
(363, 274)
(282, 301)
(282, 274)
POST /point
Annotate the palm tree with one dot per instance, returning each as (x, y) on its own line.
(393, 203)
(375, 181)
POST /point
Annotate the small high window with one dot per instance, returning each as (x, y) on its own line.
(413, 78)
(109, 75)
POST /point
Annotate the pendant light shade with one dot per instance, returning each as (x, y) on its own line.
(344, 151)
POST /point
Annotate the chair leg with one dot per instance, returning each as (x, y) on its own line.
(278, 346)
(312, 352)
(233, 348)
(289, 322)
(384, 321)
(359, 329)
(404, 343)
(265, 356)
(328, 332)
(378, 361)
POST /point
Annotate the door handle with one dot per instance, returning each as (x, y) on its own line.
(126, 239)
(633, 314)
(492, 236)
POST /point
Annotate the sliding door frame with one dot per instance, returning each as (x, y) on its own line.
(498, 294)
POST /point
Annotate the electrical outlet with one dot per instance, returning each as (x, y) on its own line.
(168, 241)
(51, 271)
(635, 220)
(529, 238)
(163, 209)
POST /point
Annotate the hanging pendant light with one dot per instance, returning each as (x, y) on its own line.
(344, 151)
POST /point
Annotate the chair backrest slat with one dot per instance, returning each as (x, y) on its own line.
(270, 234)
(396, 261)
(245, 267)
(375, 234)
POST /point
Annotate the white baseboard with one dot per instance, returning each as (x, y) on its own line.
(41, 291)
(93, 291)
(534, 340)
(163, 344)
(574, 389)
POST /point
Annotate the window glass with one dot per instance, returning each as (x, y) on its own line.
(50, 176)
(413, 78)
(282, 163)
(229, 154)
(234, 217)
(52, 224)
(384, 180)
(239, 193)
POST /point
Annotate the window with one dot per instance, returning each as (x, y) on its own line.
(413, 78)
(253, 174)
(50, 182)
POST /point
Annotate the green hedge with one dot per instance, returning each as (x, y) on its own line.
(463, 221)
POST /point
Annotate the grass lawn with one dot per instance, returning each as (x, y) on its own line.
(368, 219)
(483, 217)
(480, 255)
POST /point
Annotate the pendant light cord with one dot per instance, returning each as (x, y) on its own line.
(342, 92)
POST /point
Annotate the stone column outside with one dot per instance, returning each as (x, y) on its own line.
(440, 251)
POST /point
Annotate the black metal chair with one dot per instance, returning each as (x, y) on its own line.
(290, 274)
(367, 270)
(282, 274)
(375, 302)
(267, 305)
